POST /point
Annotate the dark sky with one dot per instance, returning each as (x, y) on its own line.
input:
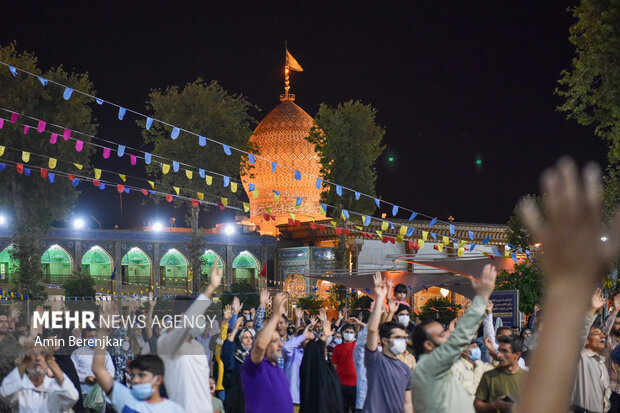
(452, 81)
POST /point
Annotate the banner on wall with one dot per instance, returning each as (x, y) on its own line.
(506, 306)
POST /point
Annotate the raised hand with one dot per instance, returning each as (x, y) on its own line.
(323, 315)
(392, 305)
(489, 309)
(617, 302)
(299, 313)
(536, 308)
(598, 300)
(279, 304)
(390, 284)
(452, 325)
(236, 305)
(485, 285)
(107, 312)
(264, 297)
(227, 312)
(252, 312)
(215, 278)
(380, 287)
(488, 343)
(152, 299)
(313, 320)
(355, 321)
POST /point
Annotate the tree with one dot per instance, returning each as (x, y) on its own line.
(207, 109)
(310, 303)
(440, 309)
(591, 86)
(80, 285)
(527, 278)
(247, 294)
(34, 202)
(517, 232)
(347, 140)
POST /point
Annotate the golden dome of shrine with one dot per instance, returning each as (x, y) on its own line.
(280, 137)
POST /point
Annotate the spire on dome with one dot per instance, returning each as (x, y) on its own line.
(289, 64)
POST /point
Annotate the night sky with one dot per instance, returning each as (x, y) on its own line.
(452, 83)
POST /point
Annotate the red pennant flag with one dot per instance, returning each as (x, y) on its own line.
(297, 223)
(222, 206)
(384, 240)
(367, 235)
(273, 217)
(194, 202)
(346, 231)
(313, 225)
(291, 222)
(392, 240)
(263, 271)
(322, 227)
(43, 173)
(71, 177)
(338, 231)
(20, 168)
(168, 197)
(96, 182)
(267, 217)
(120, 188)
(144, 192)
(435, 247)
(411, 245)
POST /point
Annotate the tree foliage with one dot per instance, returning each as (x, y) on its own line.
(516, 232)
(347, 140)
(528, 279)
(310, 303)
(207, 109)
(440, 309)
(33, 202)
(246, 293)
(80, 285)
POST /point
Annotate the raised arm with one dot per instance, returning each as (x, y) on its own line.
(236, 308)
(149, 316)
(611, 318)
(265, 335)
(260, 313)
(103, 377)
(372, 340)
(233, 332)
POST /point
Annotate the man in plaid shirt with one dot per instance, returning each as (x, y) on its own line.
(611, 329)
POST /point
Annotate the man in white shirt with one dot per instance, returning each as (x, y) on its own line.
(28, 389)
(185, 361)
(470, 368)
(82, 358)
(489, 331)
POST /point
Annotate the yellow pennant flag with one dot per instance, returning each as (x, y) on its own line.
(276, 198)
(342, 215)
(1, 150)
(189, 174)
(268, 210)
(152, 184)
(363, 218)
(233, 187)
(445, 240)
(425, 235)
(403, 230)
(313, 220)
(461, 252)
(225, 201)
(200, 195)
(486, 254)
(384, 225)
(380, 233)
(334, 223)
(77, 165)
(176, 189)
(290, 214)
(506, 254)
(292, 64)
(165, 168)
(246, 207)
(462, 244)
(255, 193)
(440, 247)
(26, 156)
(97, 173)
(125, 179)
(359, 228)
(52, 163)
(209, 179)
(421, 243)
(399, 238)
(323, 211)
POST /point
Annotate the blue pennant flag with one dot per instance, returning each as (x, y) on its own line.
(452, 232)
(378, 202)
(175, 166)
(102, 186)
(273, 167)
(51, 177)
(226, 181)
(486, 240)
(42, 80)
(251, 187)
(512, 247)
(251, 159)
(412, 216)
(147, 158)
(113, 276)
(67, 93)
(127, 190)
(121, 150)
(76, 182)
(471, 235)
(298, 175)
(434, 236)
(13, 71)
(366, 220)
(201, 173)
(175, 132)
(149, 123)
(276, 192)
(394, 210)
(527, 252)
(27, 171)
(357, 196)
(121, 113)
(391, 225)
(433, 222)
(202, 141)
(472, 247)
(410, 232)
(339, 190)
(324, 206)
(298, 201)
(226, 149)
(345, 213)
(496, 252)
(514, 257)
(2, 166)
(319, 182)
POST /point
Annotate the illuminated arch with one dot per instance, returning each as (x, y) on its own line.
(245, 268)
(207, 260)
(8, 265)
(136, 267)
(97, 263)
(57, 264)
(173, 268)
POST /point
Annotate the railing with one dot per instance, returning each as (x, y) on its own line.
(137, 279)
(173, 281)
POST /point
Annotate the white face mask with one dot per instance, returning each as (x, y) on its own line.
(404, 320)
(348, 336)
(399, 346)
(338, 340)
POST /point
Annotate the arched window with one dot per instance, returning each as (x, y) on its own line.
(245, 268)
(207, 260)
(173, 268)
(136, 267)
(8, 265)
(57, 265)
(98, 264)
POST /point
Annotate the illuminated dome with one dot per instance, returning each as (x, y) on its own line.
(280, 137)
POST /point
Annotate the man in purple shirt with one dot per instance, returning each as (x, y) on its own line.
(265, 386)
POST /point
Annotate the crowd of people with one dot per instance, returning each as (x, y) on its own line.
(390, 362)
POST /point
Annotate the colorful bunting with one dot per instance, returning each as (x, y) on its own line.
(403, 230)
(43, 173)
(121, 113)
(276, 196)
(412, 216)
(460, 252)
(66, 134)
(26, 129)
(200, 196)
(25, 156)
(169, 197)
(120, 188)
(149, 123)
(471, 235)
(233, 187)
(246, 207)
(452, 231)
(445, 240)
(175, 132)
(209, 179)
(319, 183)
(224, 201)
(394, 210)
(52, 163)
(132, 160)
(384, 225)
(106, 153)
(420, 243)
(189, 174)
(486, 240)
(53, 138)
(425, 235)
(78, 166)
(123, 177)
(226, 149)
(176, 189)
(67, 93)
(226, 181)
(440, 247)
(147, 158)
(165, 168)
(297, 175)
(202, 141)
(152, 184)
(378, 202)
(175, 166)
(41, 126)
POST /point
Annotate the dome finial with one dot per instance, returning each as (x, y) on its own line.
(289, 64)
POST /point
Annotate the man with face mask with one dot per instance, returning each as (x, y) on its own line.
(470, 368)
(435, 388)
(388, 377)
(147, 376)
(82, 358)
(611, 329)
(342, 359)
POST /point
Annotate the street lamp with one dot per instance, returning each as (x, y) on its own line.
(229, 229)
(158, 226)
(78, 223)
(2, 220)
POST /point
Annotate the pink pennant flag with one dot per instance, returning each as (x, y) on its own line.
(79, 145)
(41, 126)
(1, 123)
(53, 138)
(66, 134)
(132, 159)
(26, 129)
(106, 153)
(14, 117)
